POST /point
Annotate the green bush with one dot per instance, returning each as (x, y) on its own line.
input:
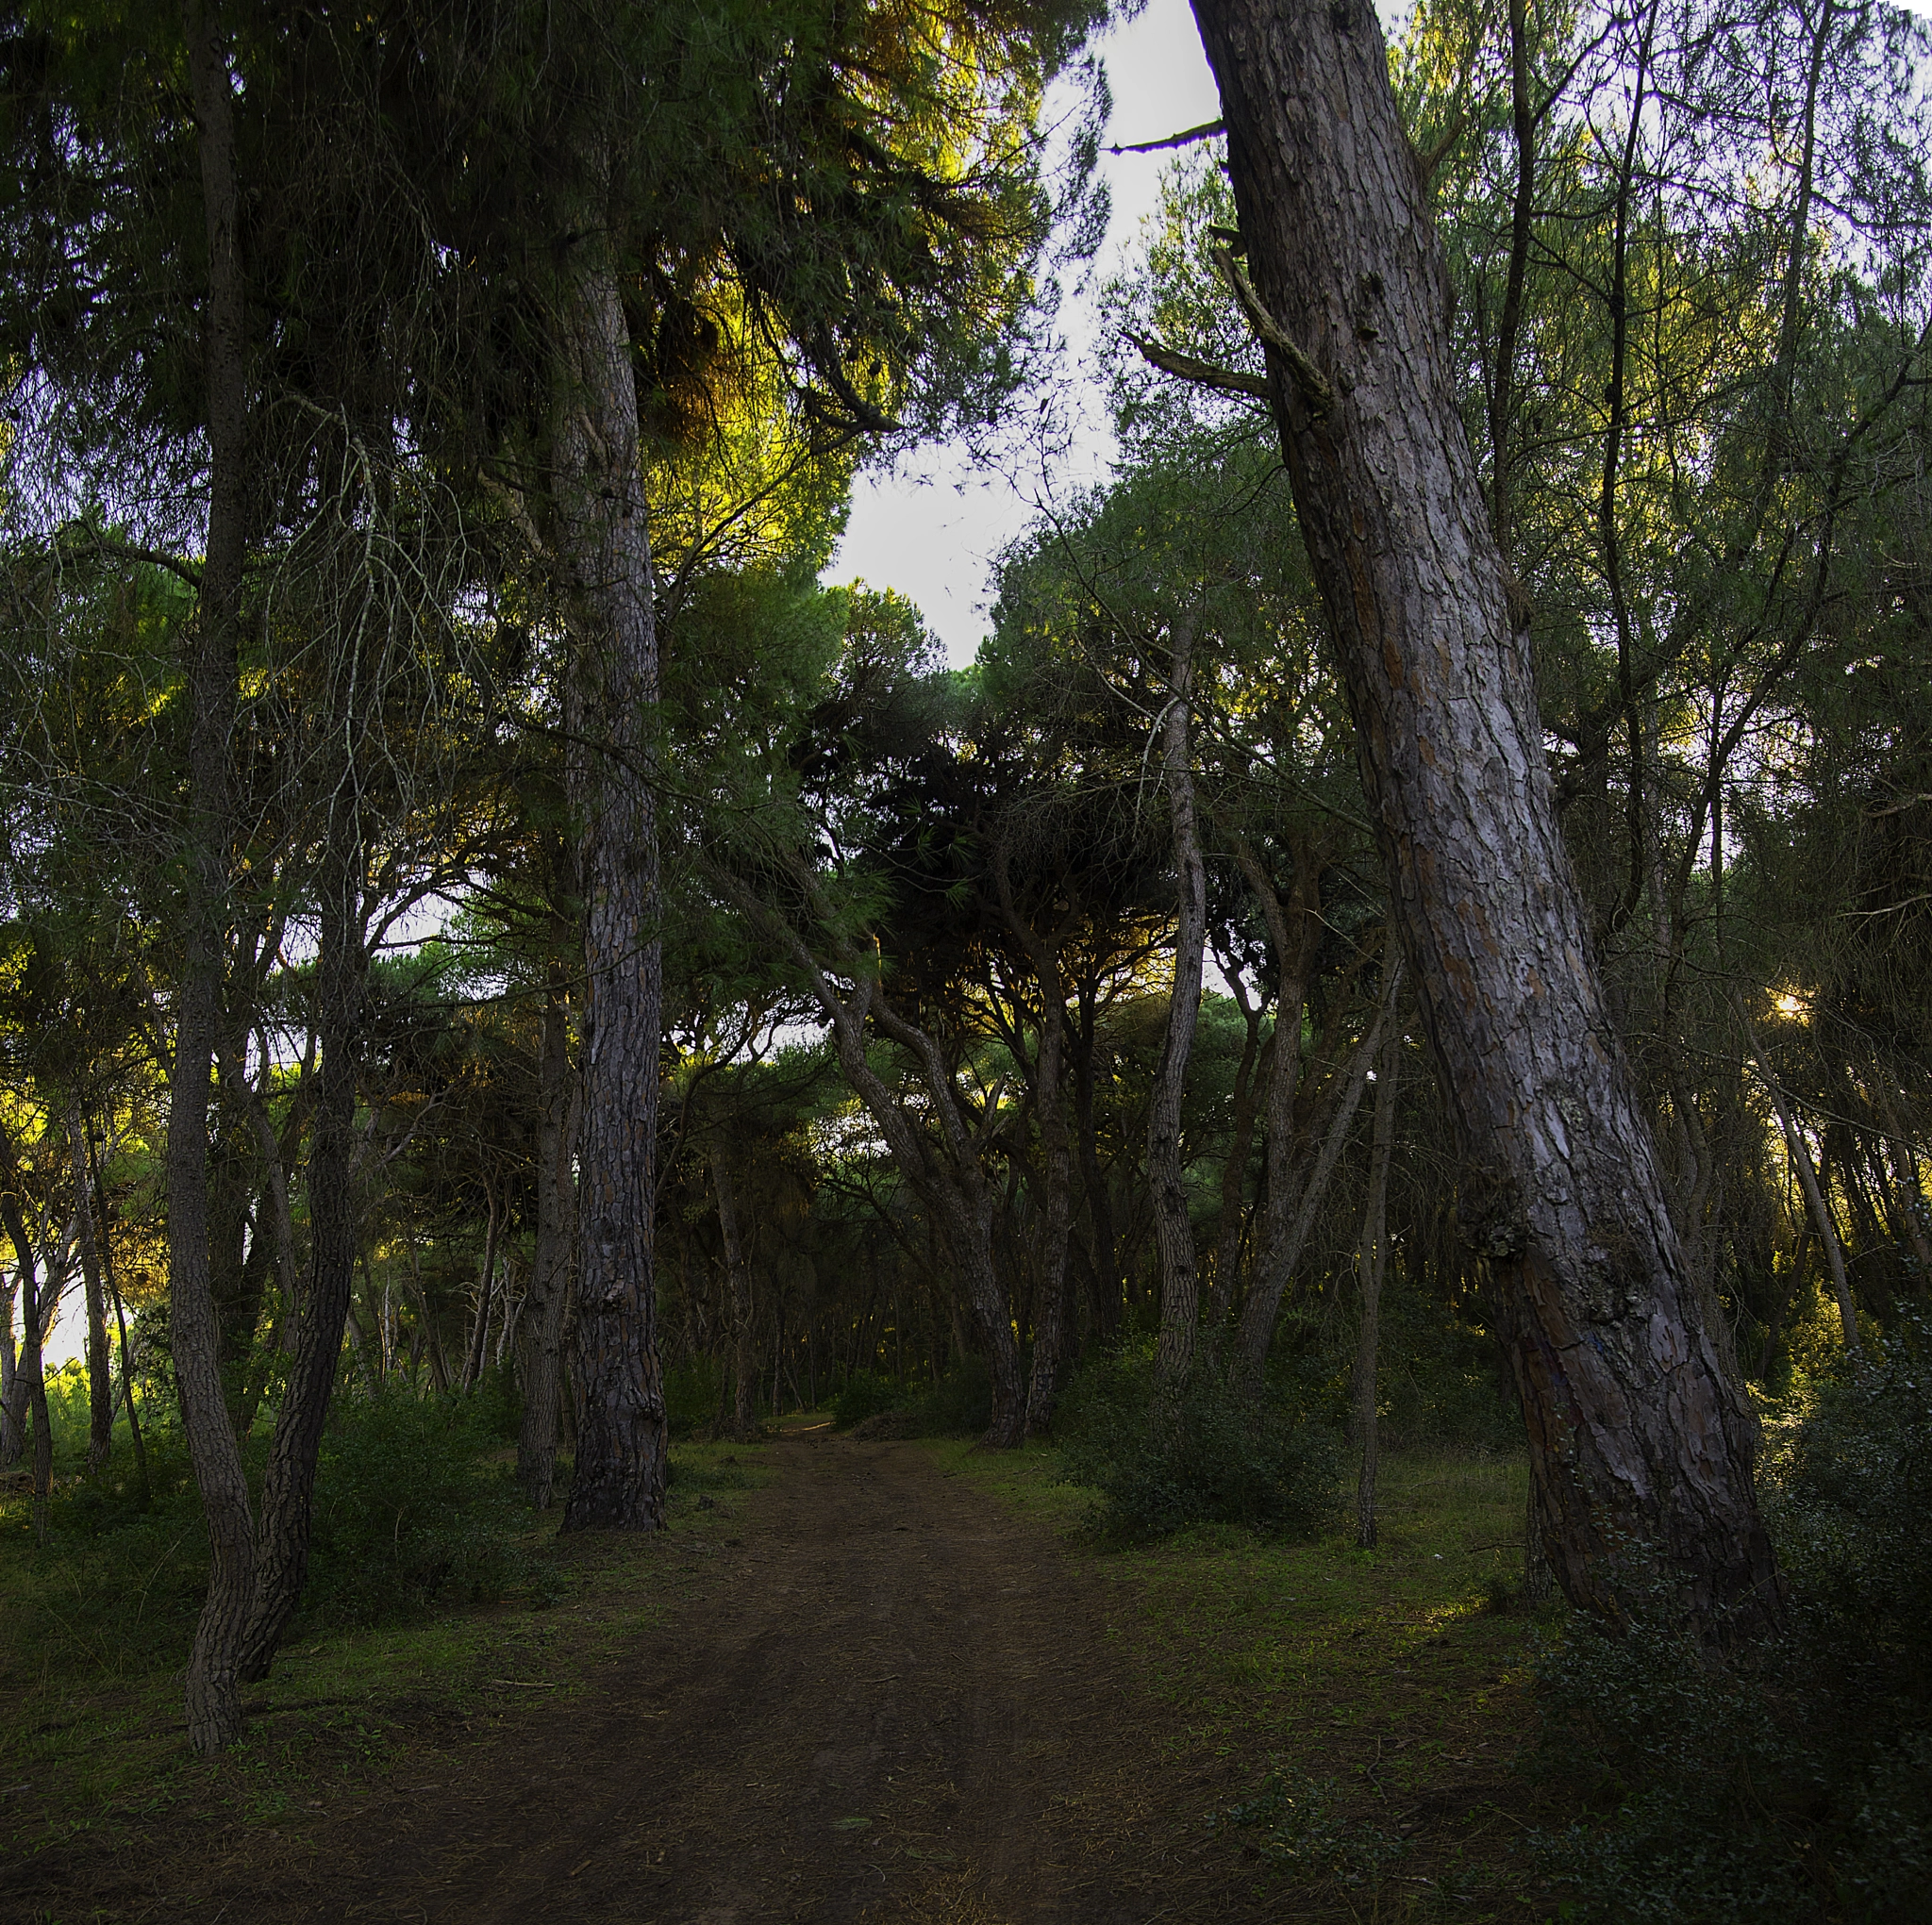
(1795, 1782)
(864, 1394)
(691, 1394)
(407, 1514)
(1307, 1832)
(1203, 1455)
(959, 1404)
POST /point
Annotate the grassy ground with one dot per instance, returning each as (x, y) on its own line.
(90, 1711)
(1369, 1704)
(1378, 1699)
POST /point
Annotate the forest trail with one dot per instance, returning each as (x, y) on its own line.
(894, 1701)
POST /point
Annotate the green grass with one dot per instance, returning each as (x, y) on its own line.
(1391, 1675)
(90, 1702)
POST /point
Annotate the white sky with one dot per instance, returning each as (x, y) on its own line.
(932, 527)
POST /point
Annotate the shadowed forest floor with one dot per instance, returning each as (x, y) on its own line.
(881, 1686)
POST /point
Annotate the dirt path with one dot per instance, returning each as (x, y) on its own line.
(895, 1701)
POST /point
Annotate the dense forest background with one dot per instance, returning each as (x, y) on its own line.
(1020, 1022)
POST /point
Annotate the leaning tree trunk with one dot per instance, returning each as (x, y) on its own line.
(618, 1382)
(1181, 1283)
(214, 1666)
(1641, 1455)
(540, 1333)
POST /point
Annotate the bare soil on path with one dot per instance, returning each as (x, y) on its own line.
(873, 1693)
(895, 1701)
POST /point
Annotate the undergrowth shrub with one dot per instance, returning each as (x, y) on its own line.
(692, 1392)
(1308, 1832)
(864, 1394)
(407, 1514)
(1203, 1455)
(959, 1406)
(1795, 1782)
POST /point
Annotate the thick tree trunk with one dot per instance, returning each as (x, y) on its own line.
(1173, 1233)
(737, 1280)
(289, 1484)
(100, 1366)
(1371, 1262)
(214, 1682)
(13, 1384)
(617, 1383)
(1639, 1452)
(540, 1333)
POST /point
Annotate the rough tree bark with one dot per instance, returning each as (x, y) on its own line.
(1641, 1456)
(540, 1333)
(1181, 1283)
(213, 1680)
(617, 1382)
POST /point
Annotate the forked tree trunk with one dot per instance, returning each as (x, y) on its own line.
(618, 1382)
(288, 1485)
(1173, 1233)
(100, 1365)
(540, 1333)
(214, 1677)
(1641, 1455)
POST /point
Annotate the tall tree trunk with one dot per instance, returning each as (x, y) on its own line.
(486, 1286)
(100, 1366)
(1256, 1060)
(213, 1681)
(36, 1308)
(618, 1382)
(1823, 1221)
(13, 1384)
(1102, 1245)
(142, 1484)
(1302, 1191)
(737, 1280)
(1371, 1262)
(540, 1336)
(1050, 1106)
(288, 1485)
(1636, 1442)
(1172, 1232)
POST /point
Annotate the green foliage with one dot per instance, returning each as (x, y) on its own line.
(1306, 1832)
(407, 1513)
(864, 1394)
(691, 1391)
(1206, 1455)
(1795, 1782)
(959, 1404)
